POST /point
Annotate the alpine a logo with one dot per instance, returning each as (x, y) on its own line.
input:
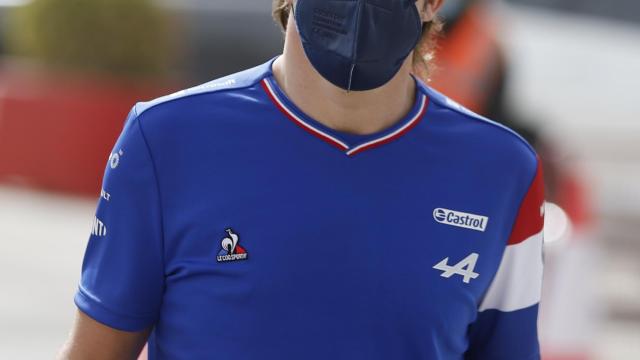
(460, 219)
(231, 250)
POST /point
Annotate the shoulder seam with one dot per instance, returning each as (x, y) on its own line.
(155, 176)
(480, 118)
(185, 96)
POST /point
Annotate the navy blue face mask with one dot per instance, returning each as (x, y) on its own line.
(358, 44)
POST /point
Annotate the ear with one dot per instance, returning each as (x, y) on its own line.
(430, 9)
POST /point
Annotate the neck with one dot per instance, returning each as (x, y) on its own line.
(356, 112)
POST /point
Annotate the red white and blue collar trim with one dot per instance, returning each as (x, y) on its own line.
(329, 136)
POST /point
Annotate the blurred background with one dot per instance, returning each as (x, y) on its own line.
(563, 73)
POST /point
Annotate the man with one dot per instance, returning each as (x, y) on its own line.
(324, 205)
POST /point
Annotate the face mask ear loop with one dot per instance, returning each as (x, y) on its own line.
(361, 5)
(353, 67)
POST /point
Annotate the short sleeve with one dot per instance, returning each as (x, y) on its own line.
(506, 325)
(122, 278)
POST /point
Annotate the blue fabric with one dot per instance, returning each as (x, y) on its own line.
(340, 249)
(123, 273)
(498, 335)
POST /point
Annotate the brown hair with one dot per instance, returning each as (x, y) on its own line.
(422, 56)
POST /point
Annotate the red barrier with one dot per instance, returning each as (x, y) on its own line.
(57, 130)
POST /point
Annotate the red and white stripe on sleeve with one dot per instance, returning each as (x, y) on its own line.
(518, 282)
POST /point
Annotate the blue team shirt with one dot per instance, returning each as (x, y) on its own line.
(240, 228)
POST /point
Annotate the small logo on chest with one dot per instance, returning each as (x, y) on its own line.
(231, 250)
(460, 219)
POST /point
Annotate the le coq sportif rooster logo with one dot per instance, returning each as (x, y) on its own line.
(231, 250)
